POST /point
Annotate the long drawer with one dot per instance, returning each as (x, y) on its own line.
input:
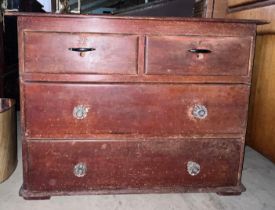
(93, 165)
(78, 110)
(65, 53)
(197, 56)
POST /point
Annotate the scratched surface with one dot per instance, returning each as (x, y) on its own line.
(143, 165)
(142, 104)
(137, 109)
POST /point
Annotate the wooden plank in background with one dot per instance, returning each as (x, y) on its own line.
(261, 134)
(233, 3)
(8, 144)
(210, 8)
(263, 13)
(220, 9)
(2, 61)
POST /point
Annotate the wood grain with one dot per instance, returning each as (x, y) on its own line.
(2, 61)
(139, 128)
(133, 109)
(141, 78)
(262, 13)
(262, 128)
(132, 164)
(8, 139)
(152, 26)
(52, 55)
(211, 8)
(219, 8)
(257, 4)
(260, 124)
(233, 3)
(170, 55)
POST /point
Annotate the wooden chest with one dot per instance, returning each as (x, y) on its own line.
(133, 105)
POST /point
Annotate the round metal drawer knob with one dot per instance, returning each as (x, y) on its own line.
(199, 111)
(80, 169)
(80, 112)
(193, 168)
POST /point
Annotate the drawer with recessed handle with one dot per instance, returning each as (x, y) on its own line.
(197, 56)
(80, 53)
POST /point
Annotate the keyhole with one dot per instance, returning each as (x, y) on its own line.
(200, 56)
(82, 54)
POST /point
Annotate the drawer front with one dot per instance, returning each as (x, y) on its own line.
(110, 54)
(78, 110)
(194, 56)
(80, 166)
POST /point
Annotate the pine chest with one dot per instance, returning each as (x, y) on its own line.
(133, 105)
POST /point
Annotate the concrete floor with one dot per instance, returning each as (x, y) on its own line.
(258, 177)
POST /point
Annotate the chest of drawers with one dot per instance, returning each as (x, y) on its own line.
(133, 105)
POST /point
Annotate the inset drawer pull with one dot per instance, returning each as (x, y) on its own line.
(193, 168)
(81, 49)
(80, 169)
(199, 111)
(80, 112)
(204, 51)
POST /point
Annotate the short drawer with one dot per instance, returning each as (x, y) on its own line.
(79, 110)
(49, 52)
(194, 55)
(91, 165)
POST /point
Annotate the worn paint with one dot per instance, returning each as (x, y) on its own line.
(139, 133)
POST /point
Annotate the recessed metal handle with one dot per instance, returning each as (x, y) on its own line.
(80, 169)
(80, 112)
(198, 50)
(81, 49)
(199, 111)
(193, 168)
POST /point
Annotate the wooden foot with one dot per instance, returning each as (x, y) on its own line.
(233, 191)
(229, 193)
(37, 198)
(28, 196)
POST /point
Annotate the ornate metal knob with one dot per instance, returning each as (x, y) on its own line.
(193, 168)
(199, 111)
(80, 112)
(80, 169)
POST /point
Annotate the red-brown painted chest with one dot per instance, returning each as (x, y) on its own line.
(133, 105)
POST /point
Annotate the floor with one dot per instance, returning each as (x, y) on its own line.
(258, 177)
